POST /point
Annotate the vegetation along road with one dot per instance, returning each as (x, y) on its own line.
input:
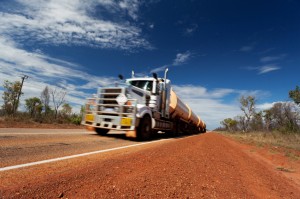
(201, 166)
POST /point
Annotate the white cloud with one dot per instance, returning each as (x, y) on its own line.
(267, 69)
(151, 26)
(199, 91)
(73, 23)
(131, 6)
(265, 106)
(272, 58)
(190, 30)
(246, 48)
(264, 69)
(181, 58)
(46, 71)
(159, 69)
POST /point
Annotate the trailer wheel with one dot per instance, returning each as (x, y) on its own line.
(175, 130)
(101, 131)
(144, 131)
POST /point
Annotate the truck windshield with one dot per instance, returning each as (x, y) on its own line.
(143, 84)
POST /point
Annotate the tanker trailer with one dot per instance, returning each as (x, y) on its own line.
(140, 107)
(186, 120)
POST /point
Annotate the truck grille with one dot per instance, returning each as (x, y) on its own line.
(108, 96)
(107, 104)
(108, 113)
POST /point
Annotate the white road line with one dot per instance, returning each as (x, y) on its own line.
(74, 156)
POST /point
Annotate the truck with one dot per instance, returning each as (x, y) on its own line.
(140, 107)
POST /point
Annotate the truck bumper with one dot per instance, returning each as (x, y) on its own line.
(109, 122)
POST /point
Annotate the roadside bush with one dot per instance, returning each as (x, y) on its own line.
(282, 116)
(75, 119)
(2, 113)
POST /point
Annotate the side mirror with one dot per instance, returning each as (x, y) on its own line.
(155, 76)
(121, 77)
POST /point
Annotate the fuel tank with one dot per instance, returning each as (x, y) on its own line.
(178, 109)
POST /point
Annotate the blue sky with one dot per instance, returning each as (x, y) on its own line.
(215, 50)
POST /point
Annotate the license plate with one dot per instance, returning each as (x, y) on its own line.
(126, 121)
(89, 117)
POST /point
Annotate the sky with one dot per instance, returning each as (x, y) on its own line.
(216, 50)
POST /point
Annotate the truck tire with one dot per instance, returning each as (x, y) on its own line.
(144, 130)
(174, 132)
(101, 131)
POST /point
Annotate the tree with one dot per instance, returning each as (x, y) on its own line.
(20, 90)
(248, 108)
(295, 95)
(257, 123)
(45, 99)
(267, 119)
(229, 124)
(34, 106)
(10, 96)
(58, 98)
(284, 117)
(66, 109)
(241, 123)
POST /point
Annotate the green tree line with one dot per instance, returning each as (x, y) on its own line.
(49, 107)
(282, 116)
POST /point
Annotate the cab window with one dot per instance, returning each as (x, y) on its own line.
(146, 85)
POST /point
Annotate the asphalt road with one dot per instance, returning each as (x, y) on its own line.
(19, 146)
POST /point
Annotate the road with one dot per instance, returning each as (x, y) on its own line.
(20, 146)
(80, 164)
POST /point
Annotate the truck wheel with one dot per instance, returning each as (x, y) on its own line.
(144, 131)
(174, 132)
(101, 131)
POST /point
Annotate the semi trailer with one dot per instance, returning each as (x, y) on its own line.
(140, 107)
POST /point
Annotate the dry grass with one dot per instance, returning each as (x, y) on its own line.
(275, 142)
(260, 139)
(24, 121)
(285, 169)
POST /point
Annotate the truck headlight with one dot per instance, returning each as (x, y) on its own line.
(116, 108)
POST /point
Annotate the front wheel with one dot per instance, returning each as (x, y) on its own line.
(144, 130)
(101, 131)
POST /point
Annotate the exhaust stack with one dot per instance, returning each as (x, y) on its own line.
(164, 92)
